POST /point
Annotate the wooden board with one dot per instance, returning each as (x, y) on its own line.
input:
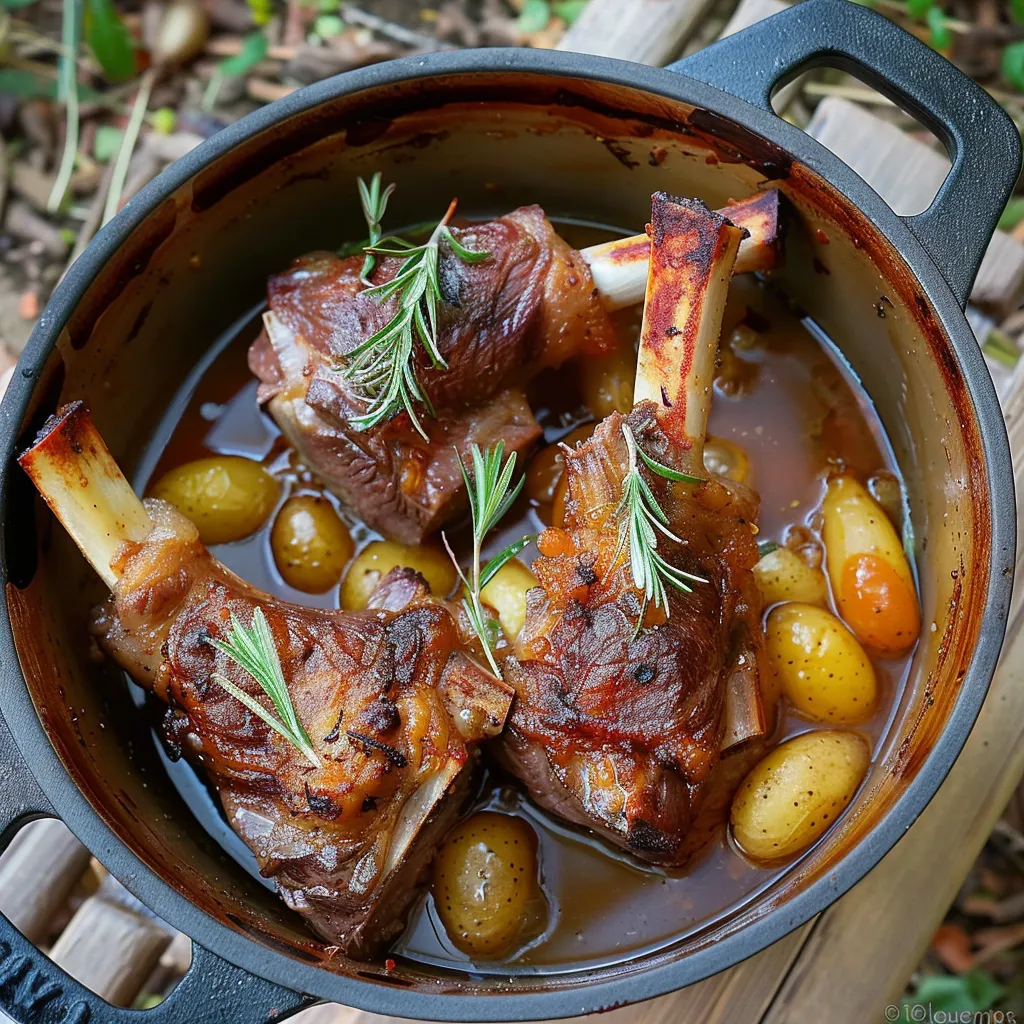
(647, 31)
(907, 173)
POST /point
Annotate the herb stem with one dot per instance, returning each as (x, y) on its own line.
(641, 518)
(491, 495)
(254, 652)
(382, 368)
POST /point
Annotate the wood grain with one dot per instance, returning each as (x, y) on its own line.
(907, 173)
(112, 944)
(37, 872)
(646, 31)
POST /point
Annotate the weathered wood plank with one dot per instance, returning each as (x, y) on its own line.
(37, 872)
(907, 173)
(112, 944)
(646, 31)
(728, 998)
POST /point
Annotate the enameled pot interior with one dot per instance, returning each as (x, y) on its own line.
(200, 260)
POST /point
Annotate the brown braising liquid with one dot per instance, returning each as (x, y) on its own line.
(785, 397)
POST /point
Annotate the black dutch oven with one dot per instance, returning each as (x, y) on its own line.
(585, 137)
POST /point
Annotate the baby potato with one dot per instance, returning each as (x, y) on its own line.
(311, 544)
(378, 558)
(226, 496)
(783, 575)
(506, 594)
(485, 886)
(871, 578)
(796, 792)
(726, 458)
(824, 672)
(607, 382)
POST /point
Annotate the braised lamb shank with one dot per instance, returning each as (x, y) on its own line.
(622, 707)
(532, 304)
(392, 704)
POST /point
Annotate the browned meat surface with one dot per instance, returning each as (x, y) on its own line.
(615, 728)
(529, 306)
(392, 704)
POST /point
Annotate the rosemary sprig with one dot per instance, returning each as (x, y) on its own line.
(374, 202)
(491, 495)
(641, 518)
(382, 368)
(253, 650)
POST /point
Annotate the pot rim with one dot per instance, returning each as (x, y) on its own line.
(176, 908)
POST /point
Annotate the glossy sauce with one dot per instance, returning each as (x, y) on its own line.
(797, 413)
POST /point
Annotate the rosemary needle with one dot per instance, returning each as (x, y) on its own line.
(491, 495)
(382, 369)
(374, 201)
(641, 518)
(253, 650)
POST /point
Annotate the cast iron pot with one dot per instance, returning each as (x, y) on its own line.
(584, 137)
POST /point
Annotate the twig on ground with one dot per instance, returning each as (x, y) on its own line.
(124, 154)
(399, 33)
(69, 93)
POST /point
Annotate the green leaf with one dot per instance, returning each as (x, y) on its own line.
(164, 120)
(568, 10)
(941, 37)
(1013, 65)
(766, 547)
(1017, 11)
(975, 991)
(254, 49)
(1001, 347)
(328, 25)
(919, 8)
(25, 85)
(660, 469)
(109, 40)
(106, 143)
(490, 570)
(13, 5)
(534, 16)
(253, 651)
(1013, 214)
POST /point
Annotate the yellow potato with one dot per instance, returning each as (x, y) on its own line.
(726, 458)
(607, 382)
(378, 558)
(796, 792)
(485, 886)
(871, 579)
(506, 594)
(226, 496)
(311, 544)
(825, 674)
(783, 575)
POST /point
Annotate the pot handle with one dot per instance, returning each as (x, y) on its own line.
(34, 990)
(983, 143)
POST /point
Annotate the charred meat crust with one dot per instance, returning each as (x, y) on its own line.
(392, 703)
(529, 306)
(617, 730)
